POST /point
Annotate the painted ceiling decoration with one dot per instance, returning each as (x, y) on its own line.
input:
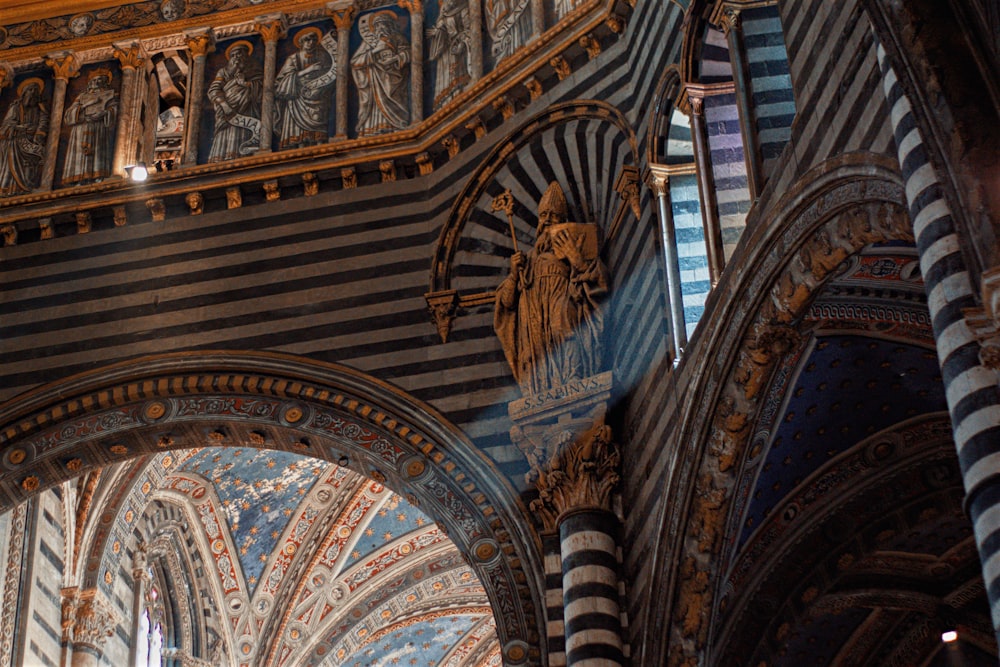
(381, 582)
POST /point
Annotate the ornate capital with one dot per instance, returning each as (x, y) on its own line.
(657, 179)
(271, 27)
(200, 42)
(730, 19)
(130, 54)
(412, 6)
(64, 65)
(573, 457)
(87, 619)
(342, 14)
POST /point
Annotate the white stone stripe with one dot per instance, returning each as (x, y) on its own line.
(944, 246)
(987, 524)
(922, 178)
(587, 540)
(953, 337)
(976, 423)
(947, 290)
(931, 213)
(591, 605)
(909, 143)
(557, 659)
(979, 471)
(589, 574)
(555, 628)
(594, 662)
(899, 109)
(970, 381)
(592, 636)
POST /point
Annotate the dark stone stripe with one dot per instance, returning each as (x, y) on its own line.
(576, 559)
(592, 651)
(602, 521)
(975, 401)
(592, 621)
(590, 590)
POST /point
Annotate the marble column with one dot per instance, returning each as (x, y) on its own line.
(574, 466)
(416, 9)
(732, 26)
(140, 575)
(64, 66)
(692, 103)
(658, 180)
(132, 58)
(343, 15)
(271, 28)
(966, 329)
(200, 42)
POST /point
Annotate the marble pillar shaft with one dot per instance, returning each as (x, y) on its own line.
(267, 103)
(417, 64)
(55, 127)
(591, 612)
(675, 296)
(476, 22)
(193, 120)
(706, 190)
(744, 104)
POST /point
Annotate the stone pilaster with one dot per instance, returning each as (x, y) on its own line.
(271, 28)
(132, 59)
(342, 13)
(64, 66)
(200, 42)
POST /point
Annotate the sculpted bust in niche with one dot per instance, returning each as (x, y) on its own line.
(171, 10)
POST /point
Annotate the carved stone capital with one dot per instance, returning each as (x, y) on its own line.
(412, 6)
(87, 619)
(200, 41)
(451, 145)
(616, 24)
(6, 75)
(442, 306)
(131, 55)
(477, 127)
(271, 27)
(729, 19)
(573, 457)
(342, 14)
(657, 179)
(64, 65)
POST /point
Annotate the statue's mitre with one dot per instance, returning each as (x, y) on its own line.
(554, 200)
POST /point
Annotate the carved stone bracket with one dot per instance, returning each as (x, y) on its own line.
(573, 457)
(627, 187)
(984, 323)
(443, 307)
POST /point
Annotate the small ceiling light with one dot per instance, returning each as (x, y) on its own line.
(343, 461)
(948, 637)
(138, 173)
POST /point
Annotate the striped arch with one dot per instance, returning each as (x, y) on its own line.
(582, 144)
(283, 402)
(705, 51)
(834, 211)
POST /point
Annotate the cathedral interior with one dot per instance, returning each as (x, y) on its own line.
(469, 333)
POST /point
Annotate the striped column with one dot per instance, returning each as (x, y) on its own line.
(555, 629)
(590, 588)
(971, 388)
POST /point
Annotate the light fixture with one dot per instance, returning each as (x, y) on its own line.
(138, 172)
(343, 461)
(949, 636)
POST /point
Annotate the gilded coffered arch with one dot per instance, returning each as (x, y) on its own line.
(277, 402)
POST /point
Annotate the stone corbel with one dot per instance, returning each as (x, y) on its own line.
(592, 46)
(504, 106)
(310, 184)
(425, 164)
(984, 323)
(534, 87)
(443, 307)
(561, 66)
(234, 197)
(9, 233)
(388, 170)
(627, 187)
(157, 209)
(83, 222)
(271, 190)
(349, 175)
